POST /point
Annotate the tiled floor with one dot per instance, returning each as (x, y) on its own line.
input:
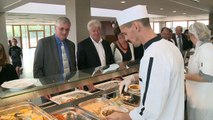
(27, 63)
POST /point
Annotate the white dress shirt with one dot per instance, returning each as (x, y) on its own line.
(100, 50)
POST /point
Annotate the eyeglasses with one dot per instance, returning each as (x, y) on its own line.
(63, 29)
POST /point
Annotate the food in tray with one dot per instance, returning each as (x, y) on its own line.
(134, 88)
(69, 97)
(111, 109)
(69, 116)
(22, 114)
(95, 107)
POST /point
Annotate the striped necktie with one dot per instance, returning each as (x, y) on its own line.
(64, 59)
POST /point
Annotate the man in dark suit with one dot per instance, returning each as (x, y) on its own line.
(181, 40)
(94, 51)
(55, 54)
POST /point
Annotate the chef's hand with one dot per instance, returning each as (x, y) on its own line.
(118, 116)
(125, 83)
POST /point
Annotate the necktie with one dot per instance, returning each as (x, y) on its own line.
(64, 59)
(180, 44)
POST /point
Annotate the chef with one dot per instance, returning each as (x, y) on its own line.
(161, 72)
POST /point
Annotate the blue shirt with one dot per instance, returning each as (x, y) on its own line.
(58, 41)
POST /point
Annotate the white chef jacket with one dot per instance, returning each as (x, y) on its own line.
(162, 82)
(199, 94)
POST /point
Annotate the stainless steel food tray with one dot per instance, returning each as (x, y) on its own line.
(94, 106)
(17, 110)
(73, 113)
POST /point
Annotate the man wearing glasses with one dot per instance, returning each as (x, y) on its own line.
(55, 54)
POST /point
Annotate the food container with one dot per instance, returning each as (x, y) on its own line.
(71, 113)
(110, 109)
(69, 97)
(23, 111)
(94, 106)
(107, 85)
(134, 88)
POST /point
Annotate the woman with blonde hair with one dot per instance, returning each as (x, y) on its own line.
(199, 78)
(7, 71)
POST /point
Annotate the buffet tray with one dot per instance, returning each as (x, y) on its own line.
(107, 85)
(25, 111)
(71, 113)
(94, 106)
(69, 97)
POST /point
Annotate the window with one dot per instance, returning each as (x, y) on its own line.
(156, 27)
(206, 22)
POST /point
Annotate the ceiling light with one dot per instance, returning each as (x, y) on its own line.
(184, 13)
(161, 8)
(197, 1)
(123, 2)
(174, 11)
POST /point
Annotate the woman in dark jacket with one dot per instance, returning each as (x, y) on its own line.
(7, 71)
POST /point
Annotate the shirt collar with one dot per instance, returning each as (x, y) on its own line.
(100, 41)
(155, 39)
(58, 40)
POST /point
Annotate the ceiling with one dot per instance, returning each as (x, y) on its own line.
(166, 8)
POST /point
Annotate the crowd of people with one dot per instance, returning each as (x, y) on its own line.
(161, 73)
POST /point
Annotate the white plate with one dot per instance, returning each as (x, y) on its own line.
(107, 85)
(63, 98)
(19, 84)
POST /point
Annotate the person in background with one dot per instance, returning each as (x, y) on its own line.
(166, 34)
(55, 54)
(161, 71)
(93, 51)
(122, 49)
(9, 43)
(181, 40)
(199, 78)
(15, 53)
(7, 71)
(170, 36)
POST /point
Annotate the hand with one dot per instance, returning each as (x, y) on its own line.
(118, 116)
(125, 83)
(47, 97)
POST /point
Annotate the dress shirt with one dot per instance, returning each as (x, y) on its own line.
(100, 50)
(58, 41)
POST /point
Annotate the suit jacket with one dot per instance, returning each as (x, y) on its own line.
(186, 43)
(87, 55)
(46, 61)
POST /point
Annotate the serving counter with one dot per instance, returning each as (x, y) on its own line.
(59, 83)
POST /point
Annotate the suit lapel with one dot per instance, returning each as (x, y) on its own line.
(93, 49)
(54, 48)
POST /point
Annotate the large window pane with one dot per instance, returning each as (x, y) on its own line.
(17, 31)
(169, 24)
(156, 27)
(36, 27)
(9, 31)
(52, 29)
(180, 23)
(24, 36)
(47, 30)
(206, 22)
